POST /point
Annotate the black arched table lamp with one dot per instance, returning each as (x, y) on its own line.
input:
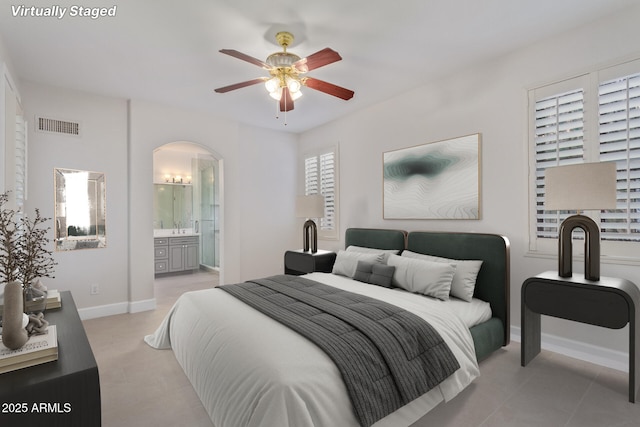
(310, 207)
(580, 187)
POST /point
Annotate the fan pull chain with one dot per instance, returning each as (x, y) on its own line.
(278, 111)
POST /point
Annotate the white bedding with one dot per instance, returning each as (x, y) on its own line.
(472, 313)
(249, 370)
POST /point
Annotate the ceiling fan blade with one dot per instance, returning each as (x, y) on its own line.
(286, 102)
(240, 85)
(316, 60)
(245, 57)
(329, 88)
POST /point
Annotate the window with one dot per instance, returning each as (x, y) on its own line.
(320, 177)
(590, 118)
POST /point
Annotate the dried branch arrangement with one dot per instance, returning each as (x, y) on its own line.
(24, 256)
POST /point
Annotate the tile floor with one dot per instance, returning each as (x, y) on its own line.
(146, 387)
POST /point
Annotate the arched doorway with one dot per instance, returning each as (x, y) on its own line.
(188, 199)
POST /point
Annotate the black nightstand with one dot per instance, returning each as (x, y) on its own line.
(609, 302)
(300, 262)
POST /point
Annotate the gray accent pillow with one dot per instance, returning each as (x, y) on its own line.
(464, 280)
(346, 262)
(374, 273)
(423, 277)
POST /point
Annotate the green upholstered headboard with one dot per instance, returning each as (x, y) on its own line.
(376, 238)
(492, 283)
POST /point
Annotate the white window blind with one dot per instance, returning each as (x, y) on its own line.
(320, 177)
(559, 135)
(619, 131)
(327, 189)
(21, 163)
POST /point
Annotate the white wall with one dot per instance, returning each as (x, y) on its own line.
(267, 176)
(118, 138)
(246, 155)
(102, 147)
(488, 98)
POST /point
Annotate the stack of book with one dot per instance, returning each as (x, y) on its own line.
(53, 299)
(39, 349)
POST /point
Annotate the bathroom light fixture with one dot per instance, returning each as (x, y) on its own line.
(177, 179)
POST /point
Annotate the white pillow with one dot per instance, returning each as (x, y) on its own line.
(423, 277)
(347, 262)
(464, 281)
(385, 252)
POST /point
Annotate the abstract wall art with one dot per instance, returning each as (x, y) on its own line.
(438, 180)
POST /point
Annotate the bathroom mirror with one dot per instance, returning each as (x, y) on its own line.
(173, 206)
(80, 209)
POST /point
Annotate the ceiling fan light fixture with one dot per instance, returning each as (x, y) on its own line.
(293, 83)
(285, 81)
(296, 95)
(276, 94)
(272, 85)
(282, 59)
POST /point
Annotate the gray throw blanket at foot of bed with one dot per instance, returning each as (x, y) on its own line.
(387, 356)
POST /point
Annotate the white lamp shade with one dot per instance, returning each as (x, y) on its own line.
(580, 187)
(310, 206)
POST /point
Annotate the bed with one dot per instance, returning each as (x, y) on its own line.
(250, 370)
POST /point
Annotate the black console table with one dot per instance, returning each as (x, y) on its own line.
(609, 302)
(65, 392)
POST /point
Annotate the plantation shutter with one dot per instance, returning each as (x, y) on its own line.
(320, 178)
(311, 175)
(21, 163)
(559, 139)
(327, 189)
(619, 130)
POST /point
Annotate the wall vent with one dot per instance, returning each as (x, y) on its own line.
(65, 127)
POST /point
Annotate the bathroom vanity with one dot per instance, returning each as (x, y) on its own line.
(176, 253)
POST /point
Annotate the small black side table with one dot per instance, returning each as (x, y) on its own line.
(300, 262)
(609, 302)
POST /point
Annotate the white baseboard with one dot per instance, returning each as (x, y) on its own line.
(144, 305)
(117, 308)
(578, 350)
(102, 310)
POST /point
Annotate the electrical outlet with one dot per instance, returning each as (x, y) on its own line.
(95, 289)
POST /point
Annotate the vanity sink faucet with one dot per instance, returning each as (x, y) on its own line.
(176, 225)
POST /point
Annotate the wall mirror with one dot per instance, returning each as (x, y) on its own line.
(80, 209)
(173, 206)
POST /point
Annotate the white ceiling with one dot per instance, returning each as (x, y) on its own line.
(167, 51)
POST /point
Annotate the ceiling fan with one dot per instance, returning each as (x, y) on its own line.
(285, 71)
